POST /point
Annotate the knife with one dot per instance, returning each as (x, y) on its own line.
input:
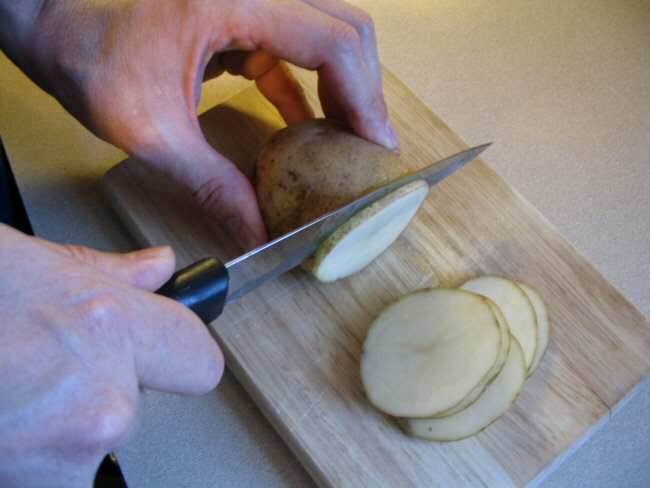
(208, 285)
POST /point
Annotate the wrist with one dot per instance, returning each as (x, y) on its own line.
(16, 22)
(36, 36)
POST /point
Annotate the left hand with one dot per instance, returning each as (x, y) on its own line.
(131, 71)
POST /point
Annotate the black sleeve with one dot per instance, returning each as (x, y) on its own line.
(12, 210)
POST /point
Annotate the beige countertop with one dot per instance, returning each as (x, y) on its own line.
(562, 88)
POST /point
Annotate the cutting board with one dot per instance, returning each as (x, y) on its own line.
(295, 343)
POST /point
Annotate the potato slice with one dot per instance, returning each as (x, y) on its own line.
(516, 308)
(425, 353)
(503, 355)
(543, 325)
(365, 236)
(493, 402)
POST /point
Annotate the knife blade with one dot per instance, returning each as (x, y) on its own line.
(207, 285)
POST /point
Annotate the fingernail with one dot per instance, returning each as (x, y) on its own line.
(391, 141)
(150, 268)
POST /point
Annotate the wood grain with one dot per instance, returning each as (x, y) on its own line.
(294, 344)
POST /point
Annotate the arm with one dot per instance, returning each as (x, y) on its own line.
(17, 20)
(80, 332)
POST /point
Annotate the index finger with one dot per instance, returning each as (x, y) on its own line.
(313, 39)
(173, 349)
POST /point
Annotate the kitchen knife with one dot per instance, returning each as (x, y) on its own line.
(207, 285)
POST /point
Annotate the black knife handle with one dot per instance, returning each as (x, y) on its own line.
(202, 287)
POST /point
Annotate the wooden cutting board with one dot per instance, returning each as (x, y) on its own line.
(294, 344)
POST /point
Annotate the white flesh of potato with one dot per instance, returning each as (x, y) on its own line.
(428, 351)
(366, 235)
(503, 355)
(543, 324)
(493, 402)
(516, 308)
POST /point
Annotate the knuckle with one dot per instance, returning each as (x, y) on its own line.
(101, 314)
(102, 308)
(107, 420)
(145, 142)
(211, 194)
(124, 119)
(364, 24)
(345, 37)
(82, 254)
(214, 197)
(138, 135)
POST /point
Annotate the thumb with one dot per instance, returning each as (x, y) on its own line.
(226, 195)
(215, 182)
(147, 269)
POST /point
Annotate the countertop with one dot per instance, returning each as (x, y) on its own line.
(563, 90)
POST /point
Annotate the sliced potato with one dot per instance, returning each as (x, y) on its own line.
(365, 236)
(543, 325)
(308, 169)
(516, 308)
(503, 355)
(499, 395)
(425, 353)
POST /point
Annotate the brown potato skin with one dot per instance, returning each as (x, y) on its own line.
(311, 168)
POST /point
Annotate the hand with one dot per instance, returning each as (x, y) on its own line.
(131, 71)
(79, 334)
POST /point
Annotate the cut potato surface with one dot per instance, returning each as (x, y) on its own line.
(493, 402)
(425, 353)
(515, 306)
(314, 167)
(504, 350)
(543, 325)
(366, 235)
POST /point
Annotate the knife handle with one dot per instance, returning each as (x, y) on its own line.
(202, 287)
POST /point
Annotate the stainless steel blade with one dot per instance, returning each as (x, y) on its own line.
(266, 262)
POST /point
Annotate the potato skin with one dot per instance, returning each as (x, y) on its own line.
(311, 168)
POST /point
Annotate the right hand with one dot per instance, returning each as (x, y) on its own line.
(80, 333)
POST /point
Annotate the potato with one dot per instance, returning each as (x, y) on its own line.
(503, 355)
(425, 353)
(516, 307)
(367, 234)
(314, 167)
(493, 402)
(543, 325)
